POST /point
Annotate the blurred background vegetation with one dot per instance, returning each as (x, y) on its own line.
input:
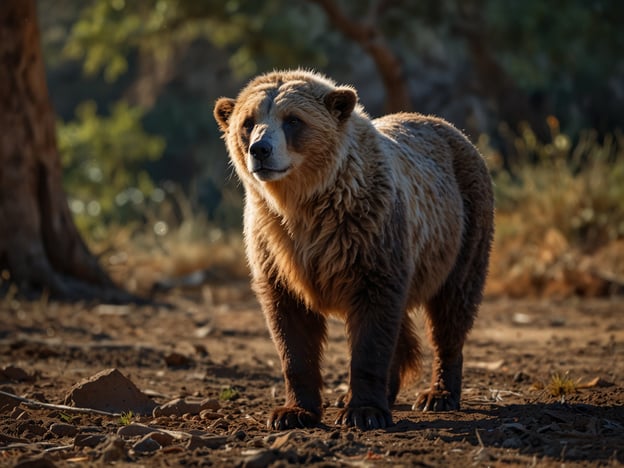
(538, 86)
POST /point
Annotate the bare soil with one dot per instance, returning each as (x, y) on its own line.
(515, 412)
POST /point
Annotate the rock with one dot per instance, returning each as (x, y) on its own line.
(89, 440)
(109, 390)
(208, 414)
(7, 404)
(162, 438)
(259, 458)
(212, 442)
(175, 359)
(7, 439)
(146, 445)
(11, 373)
(63, 430)
(29, 429)
(37, 461)
(177, 407)
(135, 429)
(210, 404)
(114, 451)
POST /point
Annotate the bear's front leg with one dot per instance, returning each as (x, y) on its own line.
(299, 335)
(373, 327)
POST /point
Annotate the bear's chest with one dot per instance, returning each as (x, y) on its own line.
(323, 265)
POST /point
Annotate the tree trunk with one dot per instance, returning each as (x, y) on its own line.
(39, 243)
(368, 35)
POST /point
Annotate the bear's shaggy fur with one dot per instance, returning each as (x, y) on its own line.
(365, 219)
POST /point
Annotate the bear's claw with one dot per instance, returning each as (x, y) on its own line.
(365, 418)
(292, 417)
(436, 400)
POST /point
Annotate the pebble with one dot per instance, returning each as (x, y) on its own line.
(259, 459)
(114, 451)
(146, 445)
(7, 403)
(11, 373)
(63, 430)
(89, 440)
(176, 407)
(132, 430)
(163, 438)
(209, 414)
(38, 461)
(210, 404)
(175, 359)
(212, 442)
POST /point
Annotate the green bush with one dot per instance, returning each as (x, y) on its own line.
(104, 165)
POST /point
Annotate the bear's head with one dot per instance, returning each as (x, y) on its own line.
(285, 129)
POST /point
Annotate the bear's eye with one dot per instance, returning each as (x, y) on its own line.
(292, 121)
(248, 124)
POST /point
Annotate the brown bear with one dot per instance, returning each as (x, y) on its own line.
(364, 219)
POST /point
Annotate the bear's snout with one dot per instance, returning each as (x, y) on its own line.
(261, 150)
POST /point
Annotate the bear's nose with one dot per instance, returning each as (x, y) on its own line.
(260, 150)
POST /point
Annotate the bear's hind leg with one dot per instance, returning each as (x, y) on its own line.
(450, 316)
(448, 324)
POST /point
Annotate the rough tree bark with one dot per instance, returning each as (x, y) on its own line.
(369, 36)
(40, 246)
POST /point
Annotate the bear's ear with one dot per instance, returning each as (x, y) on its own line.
(222, 112)
(341, 102)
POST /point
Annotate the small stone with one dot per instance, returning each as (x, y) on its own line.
(7, 404)
(210, 404)
(29, 429)
(208, 414)
(162, 438)
(212, 442)
(11, 373)
(63, 430)
(135, 429)
(175, 359)
(259, 458)
(38, 461)
(146, 445)
(89, 440)
(114, 451)
(176, 407)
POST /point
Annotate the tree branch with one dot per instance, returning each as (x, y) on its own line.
(369, 36)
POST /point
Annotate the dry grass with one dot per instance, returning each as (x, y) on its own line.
(560, 216)
(561, 385)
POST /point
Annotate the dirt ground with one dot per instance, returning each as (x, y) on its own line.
(213, 345)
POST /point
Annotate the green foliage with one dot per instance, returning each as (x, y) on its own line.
(229, 394)
(126, 418)
(66, 417)
(109, 30)
(103, 159)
